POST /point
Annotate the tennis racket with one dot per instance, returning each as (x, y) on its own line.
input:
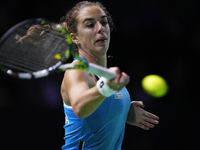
(45, 51)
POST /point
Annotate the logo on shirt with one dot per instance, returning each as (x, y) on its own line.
(118, 96)
(66, 119)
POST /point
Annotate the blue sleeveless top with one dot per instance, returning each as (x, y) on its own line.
(103, 129)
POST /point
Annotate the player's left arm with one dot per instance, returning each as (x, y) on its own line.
(141, 118)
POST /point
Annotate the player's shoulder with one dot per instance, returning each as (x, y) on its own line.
(75, 74)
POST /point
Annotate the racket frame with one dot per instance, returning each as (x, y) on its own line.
(59, 66)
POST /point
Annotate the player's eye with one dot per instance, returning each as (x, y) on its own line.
(104, 23)
(90, 25)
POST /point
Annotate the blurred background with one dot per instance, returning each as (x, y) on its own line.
(151, 37)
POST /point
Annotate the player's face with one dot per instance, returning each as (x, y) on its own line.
(93, 31)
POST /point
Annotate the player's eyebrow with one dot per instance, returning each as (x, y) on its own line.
(91, 19)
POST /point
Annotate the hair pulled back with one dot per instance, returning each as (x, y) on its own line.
(69, 21)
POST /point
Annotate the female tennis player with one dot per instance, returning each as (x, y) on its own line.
(96, 109)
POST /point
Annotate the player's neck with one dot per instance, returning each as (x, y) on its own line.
(102, 61)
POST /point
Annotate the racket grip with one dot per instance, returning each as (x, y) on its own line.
(98, 70)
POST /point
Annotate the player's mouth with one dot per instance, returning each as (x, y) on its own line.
(101, 40)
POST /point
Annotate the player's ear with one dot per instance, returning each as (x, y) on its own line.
(74, 37)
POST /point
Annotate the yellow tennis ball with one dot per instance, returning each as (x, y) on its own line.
(155, 85)
(57, 56)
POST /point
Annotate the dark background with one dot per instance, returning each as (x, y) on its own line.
(151, 37)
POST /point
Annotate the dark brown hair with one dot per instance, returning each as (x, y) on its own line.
(69, 21)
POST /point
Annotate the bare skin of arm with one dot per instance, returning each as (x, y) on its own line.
(79, 90)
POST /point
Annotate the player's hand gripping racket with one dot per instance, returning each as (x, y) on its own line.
(33, 49)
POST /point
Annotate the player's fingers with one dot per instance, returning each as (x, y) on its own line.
(147, 124)
(118, 72)
(115, 69)
(151, 120)
(121, 80)
(143, 126)
(138, 103)
(150, 115)
(124, 78)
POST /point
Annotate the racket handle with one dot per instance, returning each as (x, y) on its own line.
(98, 70)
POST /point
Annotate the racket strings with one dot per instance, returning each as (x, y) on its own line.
(36, 54)
(20, 63)
(23, 61)
(54, 44)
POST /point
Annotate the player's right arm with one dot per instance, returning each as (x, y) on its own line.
(83, 99)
